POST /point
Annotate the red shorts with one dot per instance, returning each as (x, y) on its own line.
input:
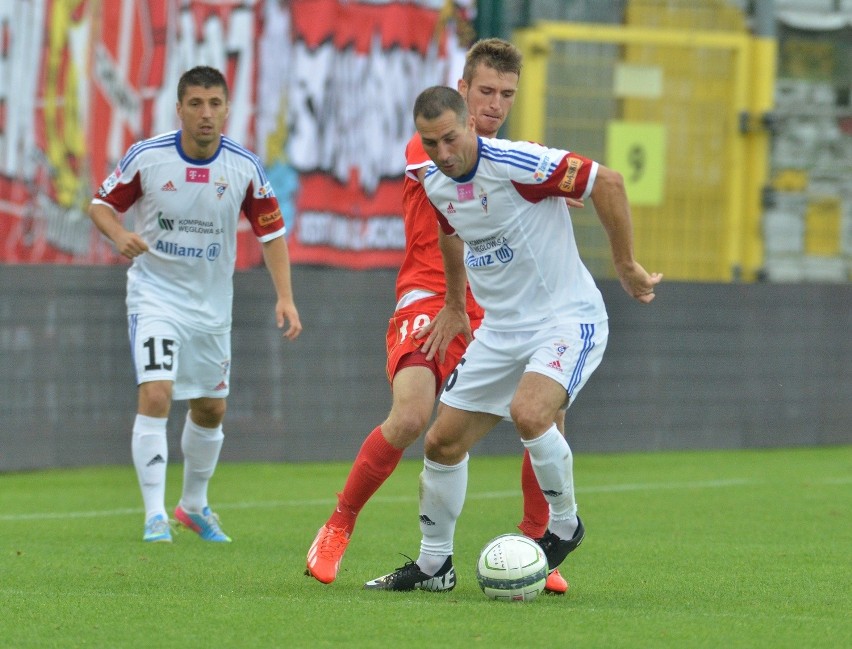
(404, 349)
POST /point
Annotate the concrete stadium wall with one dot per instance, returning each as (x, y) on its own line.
(705, 366)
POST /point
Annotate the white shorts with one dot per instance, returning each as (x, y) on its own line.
(488, 374)
(198, 363)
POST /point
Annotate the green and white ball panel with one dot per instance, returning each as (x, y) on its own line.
(512, 567)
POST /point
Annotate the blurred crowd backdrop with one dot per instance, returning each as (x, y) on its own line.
(730, 119)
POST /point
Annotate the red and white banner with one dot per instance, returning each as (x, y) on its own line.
(321, 89)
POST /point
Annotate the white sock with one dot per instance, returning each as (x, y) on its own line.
(200, 448)
(554, 468)
(442, 493)
(150, 450)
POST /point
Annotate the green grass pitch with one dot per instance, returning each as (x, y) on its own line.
(683, 549)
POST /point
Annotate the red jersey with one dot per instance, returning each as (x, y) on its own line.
(422, 270)
(422, 266)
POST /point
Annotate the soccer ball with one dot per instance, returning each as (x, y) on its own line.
(512, 568)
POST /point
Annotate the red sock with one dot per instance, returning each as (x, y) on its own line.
(373, 465)
(536, 509)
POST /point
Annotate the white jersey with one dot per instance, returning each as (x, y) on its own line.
(187, 212)
(520, 253)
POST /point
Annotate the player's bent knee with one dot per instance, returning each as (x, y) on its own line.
(402, 437)
(530, 424)
(402, 428)
(444, 451)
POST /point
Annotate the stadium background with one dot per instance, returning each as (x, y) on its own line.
(730, 120)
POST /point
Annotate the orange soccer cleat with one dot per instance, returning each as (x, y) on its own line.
(326, 553)
(556, 584)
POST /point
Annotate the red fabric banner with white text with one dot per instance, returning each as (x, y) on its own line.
(321, 89)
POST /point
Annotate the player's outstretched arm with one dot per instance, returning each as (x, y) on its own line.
(610, 200)
(276, 256)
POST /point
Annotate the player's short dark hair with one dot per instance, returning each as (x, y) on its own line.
(203, 76)
(435, 101)
(493, 53)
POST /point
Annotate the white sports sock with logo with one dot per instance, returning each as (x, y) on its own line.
(553, 464)
(150, 450)
(442, 493)
(200, 448)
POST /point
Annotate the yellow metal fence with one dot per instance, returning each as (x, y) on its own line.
(677, 112)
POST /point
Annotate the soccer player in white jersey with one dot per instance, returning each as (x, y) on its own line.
(184, 192)
(505, 225)
(489, 85)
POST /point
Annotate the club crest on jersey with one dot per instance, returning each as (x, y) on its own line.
(465, 192)
(221, 186)
(483, 200)
(560, 348)
(541, 170)
(197, 175)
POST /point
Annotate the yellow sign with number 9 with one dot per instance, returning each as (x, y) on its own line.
(638, 151)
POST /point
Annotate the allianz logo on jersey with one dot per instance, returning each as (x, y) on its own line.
(211, 252)
(503, 255)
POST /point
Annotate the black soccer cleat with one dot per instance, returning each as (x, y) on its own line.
(555, 549)
(410, 577)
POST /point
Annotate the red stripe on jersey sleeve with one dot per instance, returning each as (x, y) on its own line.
(570, 179)
(264, 214)
(123, 194)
